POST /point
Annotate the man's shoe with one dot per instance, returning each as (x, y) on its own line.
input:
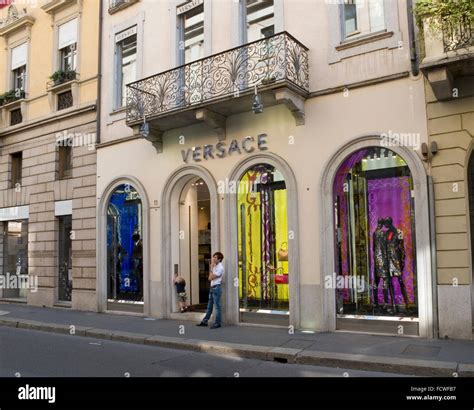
(202, 324)
(215, 326)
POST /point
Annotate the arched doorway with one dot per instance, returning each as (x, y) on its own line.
(376, 265)
(190, 236)
(124, 239)
(192, 250)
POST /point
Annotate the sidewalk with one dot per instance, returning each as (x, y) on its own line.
(414, 356)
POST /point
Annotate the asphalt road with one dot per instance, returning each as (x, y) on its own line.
(28, 353)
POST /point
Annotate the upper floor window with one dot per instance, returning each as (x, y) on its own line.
(18, 67)
(127, 62)
(67, 45)
(68, 57)
(16, 169)
(363, 17)
(259, 19)
(65, 159)
(194, 34)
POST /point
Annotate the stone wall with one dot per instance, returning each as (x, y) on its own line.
(451, 125)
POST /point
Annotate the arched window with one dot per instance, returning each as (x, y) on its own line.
(263, 241)
(124, 246)
(375, 236)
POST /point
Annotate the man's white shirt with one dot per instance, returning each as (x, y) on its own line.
(218, 271)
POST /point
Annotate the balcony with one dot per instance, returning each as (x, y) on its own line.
(210, 89)
(11, 97)
(61, 78)
(448, 61)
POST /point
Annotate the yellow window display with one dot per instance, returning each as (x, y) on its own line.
(263, 240)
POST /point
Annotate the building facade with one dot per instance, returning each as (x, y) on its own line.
(48, 129)
(449, 85)
(299, 138)
(286, 135)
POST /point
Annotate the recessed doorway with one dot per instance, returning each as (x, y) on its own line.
(194, 243)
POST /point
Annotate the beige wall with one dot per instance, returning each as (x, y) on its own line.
(451, 126)
(42, 55)
(37, 138)
(331, 121)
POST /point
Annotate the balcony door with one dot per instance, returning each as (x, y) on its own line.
(191, 50)
(258, 19)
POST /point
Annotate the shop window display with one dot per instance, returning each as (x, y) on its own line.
(124, 245)
(375, 236)
(263, 240)
(15, 259)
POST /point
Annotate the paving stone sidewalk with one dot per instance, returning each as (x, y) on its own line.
(406, 355)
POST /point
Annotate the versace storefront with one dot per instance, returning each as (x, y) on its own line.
(323, 227)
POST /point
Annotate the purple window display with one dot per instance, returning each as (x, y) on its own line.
(375, 261)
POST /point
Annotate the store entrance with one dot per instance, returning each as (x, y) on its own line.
(195, 243)
(14, 262)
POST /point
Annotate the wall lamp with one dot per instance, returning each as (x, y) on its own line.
(144, 128)
(257, 105)
(429, 152)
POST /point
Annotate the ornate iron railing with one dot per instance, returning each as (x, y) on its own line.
(277, 59)
(459, 35)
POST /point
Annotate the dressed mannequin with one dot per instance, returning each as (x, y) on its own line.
(380, 263)
(396, 259)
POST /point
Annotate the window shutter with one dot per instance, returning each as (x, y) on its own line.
(67, 34)
(19, 55)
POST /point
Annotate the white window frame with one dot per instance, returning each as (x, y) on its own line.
(118, 91)
(57, 52)
(72, 49)
(363, 19)
(341, 47)
(240, 12)
(13, 76)
(116, 110)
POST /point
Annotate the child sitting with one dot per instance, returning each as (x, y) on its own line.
(180, 284)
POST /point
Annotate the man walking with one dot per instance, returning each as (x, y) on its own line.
(216, 271)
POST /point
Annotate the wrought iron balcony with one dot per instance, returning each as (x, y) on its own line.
(448, 60)
(224, 83)
(459, 35)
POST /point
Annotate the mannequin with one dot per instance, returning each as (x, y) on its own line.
(380, 263)
(395, 259)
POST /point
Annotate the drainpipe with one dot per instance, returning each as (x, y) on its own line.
(434, 279)
(99, 73)
(412, 36)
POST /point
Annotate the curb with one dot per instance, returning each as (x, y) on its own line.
(415, 367)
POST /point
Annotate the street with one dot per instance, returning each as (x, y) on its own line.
(28, 353)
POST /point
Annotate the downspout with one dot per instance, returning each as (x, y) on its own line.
(434, 279)
(412, 36)
(99, 74)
